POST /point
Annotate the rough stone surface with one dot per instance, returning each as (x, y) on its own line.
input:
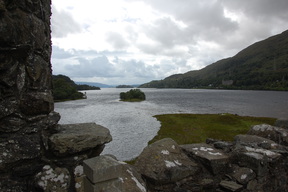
(257, 159)
(250, 163)
(18, 148)
(277, 134)
(215, 160)
(230, 185)
(74, 138)
(50, 179)
(242, 174)
(164, 162)
(79, 178)
(283, 123)
(25, 90)
(255, 141)
(104, 173)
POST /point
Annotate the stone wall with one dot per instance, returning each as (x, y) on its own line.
(254, 162)
(26, 103)
(31, 156)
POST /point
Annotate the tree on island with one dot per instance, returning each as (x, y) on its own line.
(132, 95)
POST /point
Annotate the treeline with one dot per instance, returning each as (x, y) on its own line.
(86, 87)
(66, 89)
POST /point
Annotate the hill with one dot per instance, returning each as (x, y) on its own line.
(66, 89)
(263, 65)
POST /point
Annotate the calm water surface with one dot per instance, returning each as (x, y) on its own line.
(132, 125)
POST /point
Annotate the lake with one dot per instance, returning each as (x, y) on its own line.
(132, 125)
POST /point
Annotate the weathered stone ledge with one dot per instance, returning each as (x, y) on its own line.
(75, 138)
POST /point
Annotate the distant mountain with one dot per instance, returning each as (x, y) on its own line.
(95, 84)
(104, 85)
(263, 65)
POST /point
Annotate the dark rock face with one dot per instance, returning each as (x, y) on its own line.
(26, 103)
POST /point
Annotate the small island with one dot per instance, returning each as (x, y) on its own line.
(134, 95)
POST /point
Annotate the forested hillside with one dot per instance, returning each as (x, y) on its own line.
(263, 65)
(65, 89)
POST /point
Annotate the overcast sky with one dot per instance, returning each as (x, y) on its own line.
(136, 41)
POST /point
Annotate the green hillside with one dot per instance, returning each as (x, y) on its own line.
(263, 65)
(66, 89)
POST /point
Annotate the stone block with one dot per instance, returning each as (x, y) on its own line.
(104, 173)
(283, 123)
(277, 134)
(75, 138)
(257, 159)
(214, 159)
(243, 175)
(114, 185)
(103, 168)
(36, 103)
(231, 186)
(254, 141)
(164, 162)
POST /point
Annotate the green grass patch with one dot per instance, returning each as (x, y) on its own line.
(196, 128)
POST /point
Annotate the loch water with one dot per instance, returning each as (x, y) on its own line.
(132, 125)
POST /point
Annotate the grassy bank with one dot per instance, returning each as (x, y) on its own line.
(196, 128)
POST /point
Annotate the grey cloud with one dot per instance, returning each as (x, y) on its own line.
(97, 67)
(80, 64)
(63, 23)
(87, 64)
(167, 33)
(260, 9)
(58, 53)
(135, 68)
(202, 15)
(204, 20)
(117, 40)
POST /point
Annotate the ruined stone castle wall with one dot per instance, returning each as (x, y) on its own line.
(26, 103)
